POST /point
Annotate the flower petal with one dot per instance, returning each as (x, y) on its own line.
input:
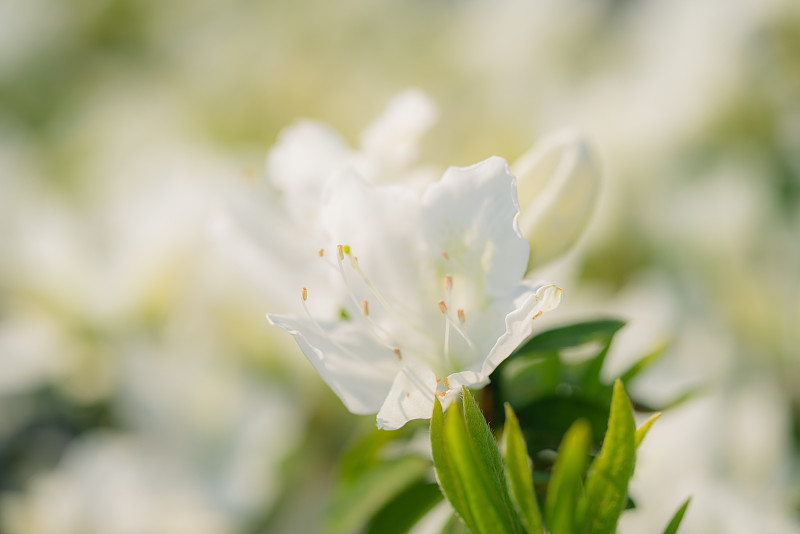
(411, 397)
(356, 367)
(471, 215)
(393, 138)
(306, 154)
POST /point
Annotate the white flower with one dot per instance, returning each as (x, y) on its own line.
(433, 290)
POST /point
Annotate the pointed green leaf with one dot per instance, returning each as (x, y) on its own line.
(672, 528)
(519, 475)
(477, 494)
(642, 431)
(565, 489)
(445, 471)
(607, 480)
(483, 439)
(573, 335)
(486, 448)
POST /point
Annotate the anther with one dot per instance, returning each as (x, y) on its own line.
(340, 252)
(445, 255)
(461, 317)
(321, 252)
(448, 282)
(365, 307)
(398, 354)
(305, 294)
(442, 307)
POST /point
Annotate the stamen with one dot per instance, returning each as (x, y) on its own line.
(305, 294)
(445, 255)
(340, 252)
(461, 317)
(391, 309)
(448, 283)
(365, 308)
(398, 354)
(443, 309)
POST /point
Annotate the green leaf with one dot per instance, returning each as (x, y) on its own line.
(353, 505)
(445, 470)
(672, 528)
(641, 432)
(607, 480)
(519, 475)
(465, 462)
(573, 336)
(408, 507)
(486, 447)
(565, 489)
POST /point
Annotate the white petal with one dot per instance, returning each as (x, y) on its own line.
(519, 324)
(381, 225)
(471, 215)
(393, 138)
(558, 182)
(411, 397)
(306, 154)
(356, 367)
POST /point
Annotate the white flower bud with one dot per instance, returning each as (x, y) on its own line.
(558, 182)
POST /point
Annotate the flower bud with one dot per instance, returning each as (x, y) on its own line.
(557, 184)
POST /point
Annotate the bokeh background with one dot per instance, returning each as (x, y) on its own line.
(141, 389)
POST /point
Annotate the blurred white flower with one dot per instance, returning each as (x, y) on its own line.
(111, 484)
(432, 286)
(558, 182)
(254, 234)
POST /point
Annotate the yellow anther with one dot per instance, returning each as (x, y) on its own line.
(448, 282)
(321, 252)
(398, 354)
(442, 306)
(305, 293)
(365, 307)
(340, 252)
(461, 316)
(445, 255)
